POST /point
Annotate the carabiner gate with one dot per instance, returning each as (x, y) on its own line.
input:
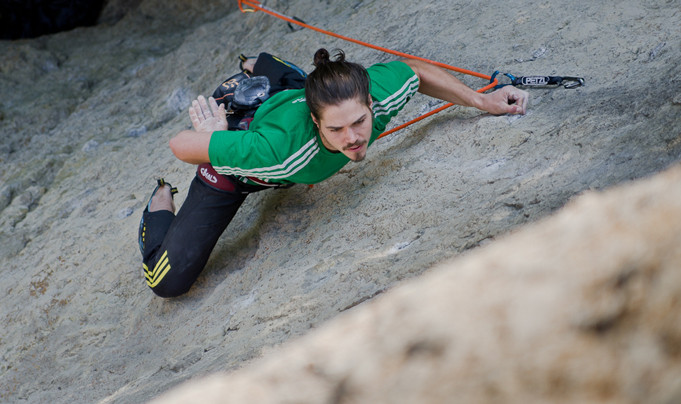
(573, 82)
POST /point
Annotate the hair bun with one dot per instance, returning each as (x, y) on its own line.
(322, 57)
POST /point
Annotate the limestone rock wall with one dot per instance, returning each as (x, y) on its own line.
(582, 307)
(85, 117)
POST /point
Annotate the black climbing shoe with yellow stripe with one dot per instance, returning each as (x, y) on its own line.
(143, 228)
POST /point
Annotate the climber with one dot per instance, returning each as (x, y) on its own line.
(296, 136)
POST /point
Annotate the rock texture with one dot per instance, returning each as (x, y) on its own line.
(581, 308)
(85, 117)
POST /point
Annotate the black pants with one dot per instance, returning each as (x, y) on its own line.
(177, 247)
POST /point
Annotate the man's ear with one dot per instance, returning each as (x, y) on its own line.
(314, 119)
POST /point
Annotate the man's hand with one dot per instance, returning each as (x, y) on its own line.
(207, 116)
(506, 100)
(191, 146)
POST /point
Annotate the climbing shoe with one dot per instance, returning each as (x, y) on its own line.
(143, 227)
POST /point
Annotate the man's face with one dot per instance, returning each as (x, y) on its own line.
(346, 127)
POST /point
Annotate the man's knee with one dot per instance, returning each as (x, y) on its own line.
(167, 278)
(170, 289)
(171, 283)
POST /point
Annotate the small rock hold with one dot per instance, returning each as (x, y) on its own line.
(179, 99)
(50, 66)
(539, 53)
(137, 132)
(653, 53)
(90, 145)
(677, 99)
(125, 212)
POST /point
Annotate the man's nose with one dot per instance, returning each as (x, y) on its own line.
(351, 136)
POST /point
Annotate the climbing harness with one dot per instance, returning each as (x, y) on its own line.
(255, 5)
(539, 81)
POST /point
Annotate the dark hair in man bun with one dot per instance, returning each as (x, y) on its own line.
(335, 81)
(322, 56)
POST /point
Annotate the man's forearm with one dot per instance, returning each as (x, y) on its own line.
(438, 83)
(191, 146)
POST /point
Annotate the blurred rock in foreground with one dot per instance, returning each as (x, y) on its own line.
(583, 307)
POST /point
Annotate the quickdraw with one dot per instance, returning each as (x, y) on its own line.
(539, 81)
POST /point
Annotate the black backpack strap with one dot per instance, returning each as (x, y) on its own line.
(282, 75)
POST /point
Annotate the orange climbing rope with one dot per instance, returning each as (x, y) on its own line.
(255, 5)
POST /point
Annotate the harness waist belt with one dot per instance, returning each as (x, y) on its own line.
(211, 177)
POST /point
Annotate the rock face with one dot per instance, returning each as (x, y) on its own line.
(85, 117)
(581, 308)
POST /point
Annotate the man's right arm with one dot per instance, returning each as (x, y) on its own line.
(191, 146)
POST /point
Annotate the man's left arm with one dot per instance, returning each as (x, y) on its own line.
(438, 83)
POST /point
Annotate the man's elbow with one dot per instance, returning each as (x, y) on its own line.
(191, 147)
(416, 66)
(175, 144)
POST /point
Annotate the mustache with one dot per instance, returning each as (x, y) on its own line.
(357, 143)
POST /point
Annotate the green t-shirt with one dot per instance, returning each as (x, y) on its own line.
(282, 145)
